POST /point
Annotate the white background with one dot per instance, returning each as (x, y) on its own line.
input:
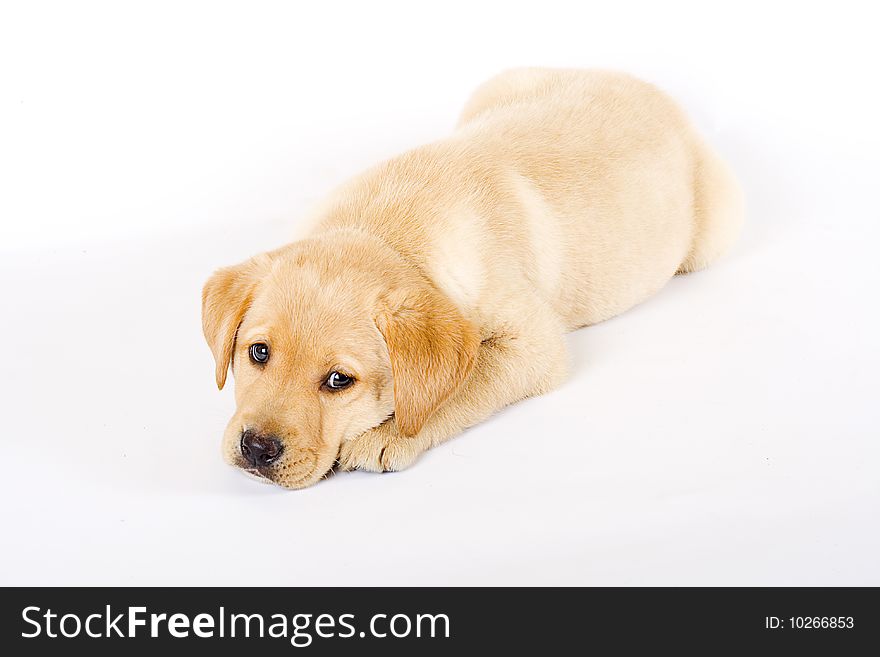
(724, 432)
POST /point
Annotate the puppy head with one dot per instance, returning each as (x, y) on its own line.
(328, 338)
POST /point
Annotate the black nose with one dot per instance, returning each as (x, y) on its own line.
(258, 449)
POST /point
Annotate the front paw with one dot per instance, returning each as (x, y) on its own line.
(380, 449)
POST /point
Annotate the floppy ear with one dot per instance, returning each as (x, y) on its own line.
(432, 349)
(225, 299)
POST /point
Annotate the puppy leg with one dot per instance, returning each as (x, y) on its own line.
(718, 211)
(523, 359)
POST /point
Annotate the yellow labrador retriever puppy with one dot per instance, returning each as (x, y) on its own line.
(436, 288)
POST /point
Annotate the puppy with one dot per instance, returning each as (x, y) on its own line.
(436, 288)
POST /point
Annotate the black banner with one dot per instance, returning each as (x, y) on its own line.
(436, 621)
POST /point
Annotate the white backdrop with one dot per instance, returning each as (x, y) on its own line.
(143, 146)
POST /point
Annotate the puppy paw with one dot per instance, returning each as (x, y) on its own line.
(380, 450)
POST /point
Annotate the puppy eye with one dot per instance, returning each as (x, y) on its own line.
(338, 381)
(259, 352)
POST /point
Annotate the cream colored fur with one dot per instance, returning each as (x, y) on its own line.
(445, 279)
